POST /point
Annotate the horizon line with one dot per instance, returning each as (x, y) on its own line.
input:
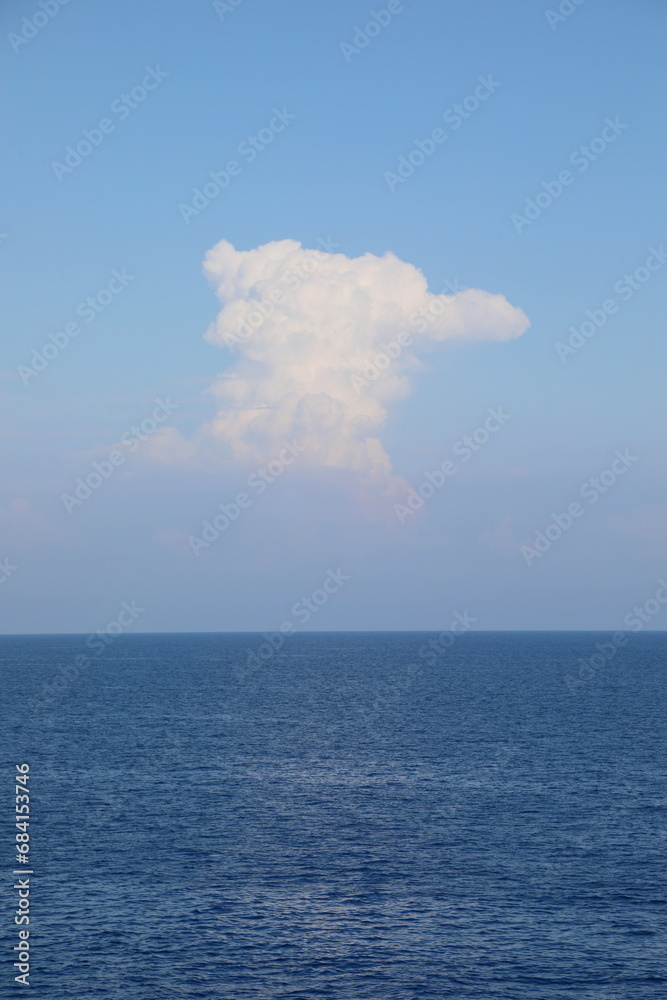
(489, 631)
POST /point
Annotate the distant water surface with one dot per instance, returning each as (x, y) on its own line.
(348, 818)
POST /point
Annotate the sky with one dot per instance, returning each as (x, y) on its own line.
(351, 308)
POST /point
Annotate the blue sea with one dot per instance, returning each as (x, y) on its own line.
(344, 816)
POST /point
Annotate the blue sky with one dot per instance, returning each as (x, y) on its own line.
(323, 177)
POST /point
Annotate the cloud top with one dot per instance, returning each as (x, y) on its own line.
(324, 343)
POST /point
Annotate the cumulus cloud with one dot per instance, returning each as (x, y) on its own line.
(322, 344)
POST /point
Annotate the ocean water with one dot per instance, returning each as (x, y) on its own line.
(350, 816)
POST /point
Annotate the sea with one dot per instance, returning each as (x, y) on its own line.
(383, 815)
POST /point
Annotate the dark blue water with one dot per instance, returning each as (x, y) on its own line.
(349, 820)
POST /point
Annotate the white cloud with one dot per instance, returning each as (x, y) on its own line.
(303, 325)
